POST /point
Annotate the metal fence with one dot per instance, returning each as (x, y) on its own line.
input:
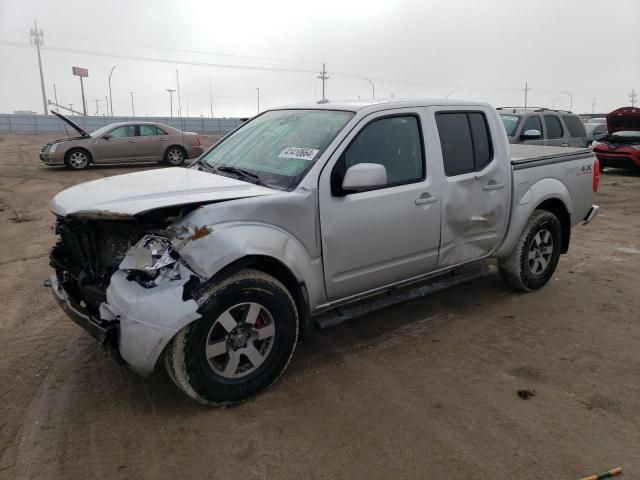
(12, 123)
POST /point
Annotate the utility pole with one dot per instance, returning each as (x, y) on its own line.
(170, 90)
(526, 93)
(110, 97)
(133, 111)
(593, 105)
(210, 98)
(323, 76)
(373, 88)
(258, 99)
(632, 96)
(55, 96)
(71, 108)
(570, 100)
(106, 105)
(97, 107)
(37, 40)
(553, 103)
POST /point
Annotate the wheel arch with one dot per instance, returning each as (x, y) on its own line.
(281, 272)
(559, 209)
(78, 147)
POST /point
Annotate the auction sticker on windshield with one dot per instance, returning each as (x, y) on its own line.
(299, 153)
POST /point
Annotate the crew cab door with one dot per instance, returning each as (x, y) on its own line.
(476, 185)
(554, 132)
(375, 238)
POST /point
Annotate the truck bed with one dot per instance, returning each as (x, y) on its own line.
(527, 156)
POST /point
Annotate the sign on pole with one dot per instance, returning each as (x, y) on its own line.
(82, 73)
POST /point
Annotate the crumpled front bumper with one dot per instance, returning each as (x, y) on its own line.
(144, 319)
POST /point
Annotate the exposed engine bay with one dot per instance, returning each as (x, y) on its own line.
(90, 250)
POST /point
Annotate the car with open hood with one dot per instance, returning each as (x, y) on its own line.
(122, 142)
(620, 147)
(216, 271)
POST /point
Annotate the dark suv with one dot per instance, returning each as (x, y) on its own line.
(541, 126)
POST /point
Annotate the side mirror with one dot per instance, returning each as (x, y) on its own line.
(106, 136)
(364, 176)
(531, 135)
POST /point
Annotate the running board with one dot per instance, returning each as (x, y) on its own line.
(397, 296)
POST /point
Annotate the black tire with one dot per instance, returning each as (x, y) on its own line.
(77, 159)
(195, 374)
(522, 272)
(175, 155)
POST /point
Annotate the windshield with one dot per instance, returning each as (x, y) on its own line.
(510, 123)
(101, 131)
(279, 146)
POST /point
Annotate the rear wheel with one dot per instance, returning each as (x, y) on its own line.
(77, 158)
(242, 343)
(535, 256)
(175, 156)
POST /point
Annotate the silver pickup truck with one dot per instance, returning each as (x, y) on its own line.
(217, 270)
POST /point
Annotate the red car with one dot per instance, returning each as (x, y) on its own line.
(620, 148)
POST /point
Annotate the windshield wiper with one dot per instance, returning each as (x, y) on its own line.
(241, 172)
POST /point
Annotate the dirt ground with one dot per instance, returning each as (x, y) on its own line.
(422, 390)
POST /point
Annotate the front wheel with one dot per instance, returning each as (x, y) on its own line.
(242, 343)
(77, 158)
(535, 256)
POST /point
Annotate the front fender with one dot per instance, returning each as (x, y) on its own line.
(232, 241)
(526, 199)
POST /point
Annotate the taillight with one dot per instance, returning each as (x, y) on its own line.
(596, 175)
(200, 144)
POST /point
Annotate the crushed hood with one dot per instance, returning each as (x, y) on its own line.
(73, 124)
(625, 118)
(123, 196)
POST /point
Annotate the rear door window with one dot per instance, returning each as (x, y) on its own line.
(148, 130)
(554, 127)
(465, 141)
(574, 125)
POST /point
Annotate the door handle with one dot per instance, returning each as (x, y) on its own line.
(564, 144)
(493, 185)
(426, 198)
(133, 141)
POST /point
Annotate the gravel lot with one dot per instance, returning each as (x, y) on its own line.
(422, 390)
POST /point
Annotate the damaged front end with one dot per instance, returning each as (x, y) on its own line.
(111, 273)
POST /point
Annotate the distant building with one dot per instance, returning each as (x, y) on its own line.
(24, 112)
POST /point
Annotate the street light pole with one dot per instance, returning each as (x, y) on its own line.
(373, 88)
(570, 100)
(55, 95)
(110, 97)
(258, 99)
(133, 111)
(171, 90)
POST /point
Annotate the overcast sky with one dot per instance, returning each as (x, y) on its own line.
(482, 49)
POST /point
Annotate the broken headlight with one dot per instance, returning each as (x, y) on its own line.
(147, 259)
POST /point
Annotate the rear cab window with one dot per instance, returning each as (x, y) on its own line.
(465, 140)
